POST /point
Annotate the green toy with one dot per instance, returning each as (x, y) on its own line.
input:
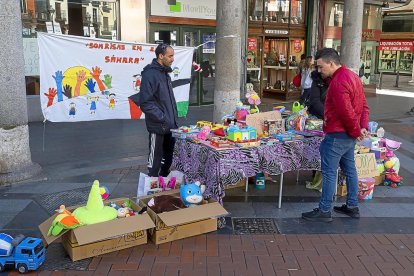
(296, 107)
(95, 211)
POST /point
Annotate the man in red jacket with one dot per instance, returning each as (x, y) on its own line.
(345, 121)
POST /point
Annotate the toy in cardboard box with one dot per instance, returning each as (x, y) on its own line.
(241, 134)
(272, 127)
(192, 193)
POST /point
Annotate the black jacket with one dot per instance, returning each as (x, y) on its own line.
(317, 95)
(156, 99)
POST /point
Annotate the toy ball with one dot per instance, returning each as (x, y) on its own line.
(104, 191)
(389, 164)
(5, 244)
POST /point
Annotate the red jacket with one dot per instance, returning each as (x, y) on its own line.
(346, 109)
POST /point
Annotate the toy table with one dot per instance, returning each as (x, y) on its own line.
(226, 167)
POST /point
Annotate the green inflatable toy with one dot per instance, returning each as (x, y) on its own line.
(95, 211)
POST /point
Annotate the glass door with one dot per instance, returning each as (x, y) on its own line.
(164, 34)
(191, 39)
(207, 63)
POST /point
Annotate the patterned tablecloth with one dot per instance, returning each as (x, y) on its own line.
(226, 167)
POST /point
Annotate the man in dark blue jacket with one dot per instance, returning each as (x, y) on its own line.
(157, 101)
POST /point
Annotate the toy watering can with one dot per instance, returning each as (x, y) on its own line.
(296, 107)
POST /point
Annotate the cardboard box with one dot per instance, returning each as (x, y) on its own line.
(183, 223)
(96, 239)
(379, 179)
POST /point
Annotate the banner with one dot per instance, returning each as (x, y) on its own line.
(84, 79)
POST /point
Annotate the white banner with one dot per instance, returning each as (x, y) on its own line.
(84, 79)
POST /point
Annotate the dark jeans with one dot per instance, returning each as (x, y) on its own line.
(305, 97)
(161, 149)
(338, 150)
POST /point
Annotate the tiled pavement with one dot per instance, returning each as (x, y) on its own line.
(212, 254)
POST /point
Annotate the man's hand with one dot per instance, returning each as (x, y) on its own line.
(364, 134)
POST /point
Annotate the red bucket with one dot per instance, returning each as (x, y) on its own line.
(366, 188)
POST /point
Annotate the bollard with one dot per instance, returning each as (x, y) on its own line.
(397, 79)
(380, 81)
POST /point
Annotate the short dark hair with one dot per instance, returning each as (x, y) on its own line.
(161, 49)
(302, 56)
(328, 55)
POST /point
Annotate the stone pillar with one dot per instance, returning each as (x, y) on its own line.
(15, 157)
(228, 56)
(411, 82)
(351, 34)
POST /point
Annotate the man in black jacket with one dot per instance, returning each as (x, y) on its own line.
(157, 101)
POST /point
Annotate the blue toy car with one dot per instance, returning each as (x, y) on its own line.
(25, 254)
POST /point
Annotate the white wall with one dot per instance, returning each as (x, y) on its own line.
(133, 20)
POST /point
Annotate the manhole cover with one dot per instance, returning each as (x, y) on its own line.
(242, 226)
(51, 202)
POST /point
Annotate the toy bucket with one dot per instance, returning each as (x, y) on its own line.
(296, 107)
(260, 181)
(366, 188)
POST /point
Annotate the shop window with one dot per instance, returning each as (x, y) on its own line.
(253, 61)
(398, 23)
(275, 65)
(277, 11)
(255, 10)
(372, 18)
(334, 14)
(297, 15)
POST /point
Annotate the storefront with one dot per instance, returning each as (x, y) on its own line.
(396, 48)
(332, 18)
(74, 17)
(276, 41)
(189, 23)
(396, 56)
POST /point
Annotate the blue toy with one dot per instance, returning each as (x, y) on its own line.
(192, 193)
(21, 253)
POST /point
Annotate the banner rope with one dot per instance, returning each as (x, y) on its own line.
(226, 36)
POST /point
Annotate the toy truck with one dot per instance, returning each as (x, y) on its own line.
(25, 254)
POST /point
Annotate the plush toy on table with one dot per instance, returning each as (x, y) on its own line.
(392, 178)
(192, 193)
(252, 98)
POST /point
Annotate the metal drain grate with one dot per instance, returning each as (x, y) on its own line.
(51, 202)
(243, 226)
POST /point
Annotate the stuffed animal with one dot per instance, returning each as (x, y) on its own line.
(61, 222)
(165, 203)
(95, 211)
(192, 193)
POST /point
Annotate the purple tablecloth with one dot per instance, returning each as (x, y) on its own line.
(218, 169)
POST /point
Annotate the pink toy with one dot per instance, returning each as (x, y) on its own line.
(391, 147)
(203, 134)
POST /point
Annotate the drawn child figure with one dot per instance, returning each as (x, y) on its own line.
(112, 101)
(136, 84)
(93, 101)
(72, 109)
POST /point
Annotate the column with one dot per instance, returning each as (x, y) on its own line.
(15, 157)
(229, 31)
(352, 34)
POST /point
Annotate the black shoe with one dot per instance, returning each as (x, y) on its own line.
(317, 215)
(352, 212)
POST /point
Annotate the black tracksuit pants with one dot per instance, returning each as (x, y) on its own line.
(161, 149)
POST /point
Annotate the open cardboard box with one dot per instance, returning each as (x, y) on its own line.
(96, 239)
(183, 223)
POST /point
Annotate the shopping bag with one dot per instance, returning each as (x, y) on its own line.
(148, 185)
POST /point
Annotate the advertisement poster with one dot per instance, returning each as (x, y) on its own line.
(85, 79)
(210, 46)
(252, 44)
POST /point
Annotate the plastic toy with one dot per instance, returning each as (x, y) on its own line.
(391, 147)
(372, 127)
(392, 178)
(380, 132)
(241, 134)
(252, 98)
(94, 211)
(192, 193)
(296, 107)
(203, 134)
(61, 222)
(366, 188)
(169, 186)
(22, 253)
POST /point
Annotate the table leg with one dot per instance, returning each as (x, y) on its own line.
(247, 184)
(297, 176)
(280, 191)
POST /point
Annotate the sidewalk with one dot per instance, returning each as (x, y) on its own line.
(114, 152)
